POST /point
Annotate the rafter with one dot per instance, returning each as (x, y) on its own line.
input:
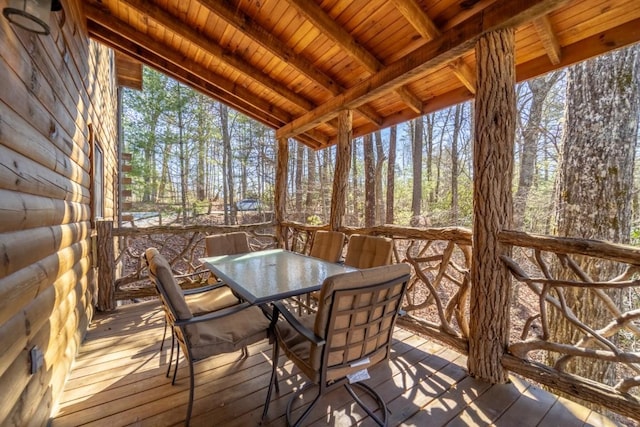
(418, 18)
(548, 39)
(243, 23)
(168, 21)
(464, 73)
(451, 45)
(314, 13)
(125, 39)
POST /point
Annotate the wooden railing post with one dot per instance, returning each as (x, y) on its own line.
(495, 111)
(106, 266)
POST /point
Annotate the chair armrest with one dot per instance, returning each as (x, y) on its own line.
(213, 314)
(307, 333)
(206, 288)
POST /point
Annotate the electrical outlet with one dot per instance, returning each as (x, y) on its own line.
(37, 359)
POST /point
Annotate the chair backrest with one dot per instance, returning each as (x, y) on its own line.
(171, 293)
(368, 251)
(356, 315)
(327, 245)
(227, 244)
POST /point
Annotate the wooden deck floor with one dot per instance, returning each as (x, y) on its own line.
(119, 380)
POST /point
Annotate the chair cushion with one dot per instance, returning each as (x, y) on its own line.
(160, 268)
(229, 333)
(215, 299)
(227, 244)
(368, 251)
(327, 245)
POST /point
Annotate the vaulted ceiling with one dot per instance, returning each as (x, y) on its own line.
(295, 64)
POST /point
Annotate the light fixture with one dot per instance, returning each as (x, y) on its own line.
(32, 15)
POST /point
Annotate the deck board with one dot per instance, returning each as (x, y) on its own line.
(119, 379)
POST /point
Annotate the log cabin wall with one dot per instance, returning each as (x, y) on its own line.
(58, 103)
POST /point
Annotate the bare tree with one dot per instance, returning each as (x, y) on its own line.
(369, 182)
(391, 174)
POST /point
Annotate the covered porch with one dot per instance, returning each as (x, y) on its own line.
(119, 379)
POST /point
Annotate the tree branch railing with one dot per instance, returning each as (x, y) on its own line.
(549, 267)
(437, 301)
(181, 245)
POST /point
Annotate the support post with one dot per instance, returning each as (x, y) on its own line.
(280, 199)
(493, 148)
(343, 164)
(106, 266)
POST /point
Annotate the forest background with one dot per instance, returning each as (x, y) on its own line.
(193, 155)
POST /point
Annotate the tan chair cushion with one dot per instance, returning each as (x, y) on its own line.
(327, 245)
(227, 244)
(160, 268)
(229, 333)
(213, 300)
(368, 251)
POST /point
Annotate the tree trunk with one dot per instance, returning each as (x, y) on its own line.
(369, 182)
(430, 119)
(228, 192)
(457, 125)
(391, 174)
(312, 184)
(416, 151)
(341, 175)
(539, 88)
(594, 190)
(380, 158)
(183, 159)
(299, 215)
(280, 197)
(492, 210)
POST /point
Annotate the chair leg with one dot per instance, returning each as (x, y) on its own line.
(306, 411)
(173, 344)
(190, 405)
(274, 378)
(164, 334)
(175, 370)
(381, 422)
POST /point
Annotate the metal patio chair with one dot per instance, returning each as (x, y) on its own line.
(351, 332)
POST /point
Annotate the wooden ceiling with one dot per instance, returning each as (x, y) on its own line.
(295, 64)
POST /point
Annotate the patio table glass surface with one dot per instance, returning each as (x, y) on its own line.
(270, 275)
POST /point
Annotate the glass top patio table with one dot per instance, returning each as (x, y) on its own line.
(270, 275)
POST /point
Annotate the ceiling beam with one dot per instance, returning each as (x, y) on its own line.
(548, 38)
(202, 41)
(125, 39)
(314, 13)
(418, 18)
(251, 29)
(464, 73)
(451, 45)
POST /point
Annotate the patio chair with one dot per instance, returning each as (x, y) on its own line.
(236, 242)
(215, 296)
(368, 251)
(216, 332)
(351, 332)
(327, 245)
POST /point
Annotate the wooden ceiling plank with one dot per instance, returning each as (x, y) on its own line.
(598, 44)
(257, 33)
(418, 18)
(548, 38)
(464, 73)
(199, 39)
(132, 43)
(332, 29)
(451, 45)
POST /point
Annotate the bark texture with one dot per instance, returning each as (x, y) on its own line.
(493, 170)
(341, 177)
(594, 191)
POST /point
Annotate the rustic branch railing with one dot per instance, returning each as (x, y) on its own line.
(616, 342)
(181, 245)
(437, 303)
